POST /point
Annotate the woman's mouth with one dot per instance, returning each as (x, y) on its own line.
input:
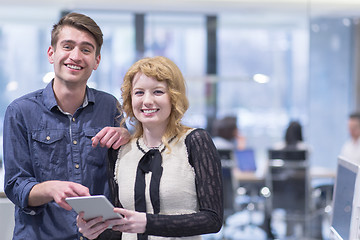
(148, 111)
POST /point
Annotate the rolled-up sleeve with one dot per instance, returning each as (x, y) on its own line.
(19, 177)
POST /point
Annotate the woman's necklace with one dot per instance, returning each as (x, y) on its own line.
(143, 141)
(161, 147)
(151, 147)
(158, 147)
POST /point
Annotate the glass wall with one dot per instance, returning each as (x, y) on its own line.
(182, 38)
(24, 40)
(263, 75)
(118, 50)
(331, 83)
(271, 68)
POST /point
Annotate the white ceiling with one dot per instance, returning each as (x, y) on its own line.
(309, 7)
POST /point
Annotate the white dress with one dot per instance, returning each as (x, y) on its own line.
(177, 190)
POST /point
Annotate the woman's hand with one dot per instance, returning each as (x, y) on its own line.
(91, 229)
(132, 222)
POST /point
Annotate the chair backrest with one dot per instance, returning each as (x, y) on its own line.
(288, 154)
(288, 181)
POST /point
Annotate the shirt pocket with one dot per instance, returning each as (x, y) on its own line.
(49, 149)
(96, 155)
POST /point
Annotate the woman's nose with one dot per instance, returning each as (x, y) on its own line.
(148, 98)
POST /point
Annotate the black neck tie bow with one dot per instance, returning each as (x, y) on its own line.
(150, 162)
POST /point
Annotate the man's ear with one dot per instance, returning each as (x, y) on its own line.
(50, 54)
(97, 59)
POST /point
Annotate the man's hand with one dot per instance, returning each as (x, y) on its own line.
(111, 137)
(48, 191)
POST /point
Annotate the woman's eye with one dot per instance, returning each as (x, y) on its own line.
(138, 93)
(158, 92)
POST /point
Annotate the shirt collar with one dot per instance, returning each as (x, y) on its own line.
(50, 100)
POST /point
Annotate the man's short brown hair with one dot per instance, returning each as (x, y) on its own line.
(80, 22)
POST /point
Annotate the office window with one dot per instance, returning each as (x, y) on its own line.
(117, 52)
(331, 85)
(262, 74)
(182, 38)
(24, 41)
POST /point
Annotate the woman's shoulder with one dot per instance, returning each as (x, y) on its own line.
(196, 132)
(197, 135)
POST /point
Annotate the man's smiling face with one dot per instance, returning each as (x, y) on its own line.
(74, 56)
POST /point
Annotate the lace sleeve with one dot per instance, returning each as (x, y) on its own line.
(204, 158)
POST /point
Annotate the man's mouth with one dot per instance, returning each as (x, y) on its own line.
(73, 67)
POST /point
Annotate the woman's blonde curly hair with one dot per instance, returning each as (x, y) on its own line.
(161, 69)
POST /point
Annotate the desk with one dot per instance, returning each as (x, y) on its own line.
(2, 172)
(315, 173)
(321, 173)
(7, 220)
(247, 176)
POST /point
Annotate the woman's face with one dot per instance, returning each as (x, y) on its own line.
(150, 101)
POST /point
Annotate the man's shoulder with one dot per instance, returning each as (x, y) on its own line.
(28, 98)
(102, 94)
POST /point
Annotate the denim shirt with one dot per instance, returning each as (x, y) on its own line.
(42, 143)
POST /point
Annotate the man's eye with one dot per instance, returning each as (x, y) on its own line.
(86, 50)
(66, 47)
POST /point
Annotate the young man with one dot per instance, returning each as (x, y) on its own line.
(51, 136)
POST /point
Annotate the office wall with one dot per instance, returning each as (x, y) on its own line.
(275, 45)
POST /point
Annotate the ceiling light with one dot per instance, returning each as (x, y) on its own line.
(261, 78)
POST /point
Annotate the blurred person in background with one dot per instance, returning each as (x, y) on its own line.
(293, 138)
(226, 134)
(351, 148)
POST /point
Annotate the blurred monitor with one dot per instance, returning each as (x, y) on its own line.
(245, 160)
(346, 202)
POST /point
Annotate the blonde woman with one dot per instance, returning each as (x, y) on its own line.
(168, 176)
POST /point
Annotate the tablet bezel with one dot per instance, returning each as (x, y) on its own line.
(93, 206)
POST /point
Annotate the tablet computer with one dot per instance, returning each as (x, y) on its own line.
(93, 206)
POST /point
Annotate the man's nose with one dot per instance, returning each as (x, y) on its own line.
(75, 54)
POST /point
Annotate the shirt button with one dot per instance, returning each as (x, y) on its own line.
(73, 119)
(75, 142)
(48, 138)
(77, 166)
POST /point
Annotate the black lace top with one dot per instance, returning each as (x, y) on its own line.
(205, 160)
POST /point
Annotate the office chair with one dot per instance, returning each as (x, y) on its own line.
(288, 181)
